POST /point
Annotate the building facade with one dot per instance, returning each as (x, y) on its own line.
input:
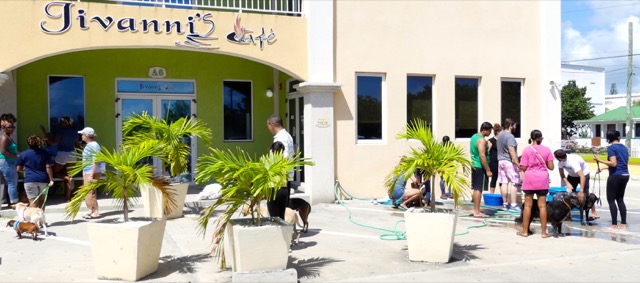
(346, 76)
(590, 77)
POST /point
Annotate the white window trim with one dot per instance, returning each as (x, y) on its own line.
(479, 101)
(252, 111)
(523, 110)
(383, 98)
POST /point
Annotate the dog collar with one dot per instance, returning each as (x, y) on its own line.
(16, 224)
(565, 203)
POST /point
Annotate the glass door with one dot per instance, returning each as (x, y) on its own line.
(295, 127)
(169, 100)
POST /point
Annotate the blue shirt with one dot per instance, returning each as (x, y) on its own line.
(622, 159)
(68, 139)
(35, 165)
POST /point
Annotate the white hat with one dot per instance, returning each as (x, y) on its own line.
(88, 131)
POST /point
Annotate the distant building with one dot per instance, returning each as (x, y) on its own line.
(614, 101)
(590, 77)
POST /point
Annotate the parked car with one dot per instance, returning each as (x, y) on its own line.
(566, 145)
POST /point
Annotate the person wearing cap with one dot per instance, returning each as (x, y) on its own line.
(92, 171)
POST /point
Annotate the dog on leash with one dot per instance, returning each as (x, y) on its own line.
(585, 207)
(290, 216)
(303, 208)
(34, 215)
(24, 227)
(557, 211)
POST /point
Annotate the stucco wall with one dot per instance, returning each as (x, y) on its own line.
(491, 40)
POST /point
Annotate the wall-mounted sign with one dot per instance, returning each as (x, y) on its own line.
(157, 72)
(198, 28)
(322, 122)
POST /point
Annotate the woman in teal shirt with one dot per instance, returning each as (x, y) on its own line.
(8, 157)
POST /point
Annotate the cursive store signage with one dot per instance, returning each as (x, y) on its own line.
(197, 28)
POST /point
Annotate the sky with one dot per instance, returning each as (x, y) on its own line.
(600, 28)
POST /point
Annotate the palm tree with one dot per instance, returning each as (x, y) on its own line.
(243, 180)
(170, 136)
(432, 158)
(123, 177)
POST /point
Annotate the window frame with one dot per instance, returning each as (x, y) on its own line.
(519, 120)
(84, 100)
(432, 110)
(224, 139)
(383, 115)
(478, 105)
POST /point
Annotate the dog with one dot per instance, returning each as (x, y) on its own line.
(585, 207)
(290, 216)
(24, 227)
(303, 208)
(34, 215)
(557, 211)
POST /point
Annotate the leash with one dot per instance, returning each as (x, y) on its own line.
(597, 176)
(46, 189)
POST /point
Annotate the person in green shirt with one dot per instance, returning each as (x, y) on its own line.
(480, 170)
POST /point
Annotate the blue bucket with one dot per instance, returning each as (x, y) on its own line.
(492, 199)
(555, 190)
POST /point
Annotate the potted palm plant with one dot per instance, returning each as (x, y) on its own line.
(430, 232)
(172, 136)
(136, 251)
(247, 180)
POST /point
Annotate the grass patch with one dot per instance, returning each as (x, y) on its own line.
(589, 158)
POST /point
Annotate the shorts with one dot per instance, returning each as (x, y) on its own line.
(538, 192)
(575, 181)
(34, 189)
(479, 179)
(508, 172)
(64, 157)
(101, 168)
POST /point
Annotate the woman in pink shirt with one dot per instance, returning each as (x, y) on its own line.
(536, 159)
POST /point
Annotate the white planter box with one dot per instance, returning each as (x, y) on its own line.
(430, 235)
(152, 200)
(251, 248)
(126, 251)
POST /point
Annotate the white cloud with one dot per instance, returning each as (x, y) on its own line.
(605, 32)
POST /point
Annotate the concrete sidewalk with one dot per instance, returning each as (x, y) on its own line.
(338, 250)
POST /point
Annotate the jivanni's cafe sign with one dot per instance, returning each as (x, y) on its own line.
(61, 15)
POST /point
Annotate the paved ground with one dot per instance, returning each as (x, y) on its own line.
(338, 250)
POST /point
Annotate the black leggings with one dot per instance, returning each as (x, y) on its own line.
(616, 185)
(494, 172)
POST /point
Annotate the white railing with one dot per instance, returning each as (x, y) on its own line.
(283, 7)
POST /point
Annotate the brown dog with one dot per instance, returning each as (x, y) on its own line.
(24, 227)
(303, 208)
(31, 214)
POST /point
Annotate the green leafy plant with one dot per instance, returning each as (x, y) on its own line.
(124, 175)
(432, 158)
(167, 134)
(244, 180)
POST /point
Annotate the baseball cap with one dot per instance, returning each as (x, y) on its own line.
(88, 131)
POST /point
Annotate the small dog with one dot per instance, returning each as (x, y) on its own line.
(557, 211)
(34, 215)
(290, 216)
(303, 208)
(24, 227)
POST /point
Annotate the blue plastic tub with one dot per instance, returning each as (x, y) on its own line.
(492, 199)
(555, 190)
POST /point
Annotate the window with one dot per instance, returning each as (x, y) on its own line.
(419, 98)
(237, 110)
(466, 107)
(511, 103)
(611, 127)
(369, 106)
(624, 130)
(598, 130)
(66, 98)
(636, 133)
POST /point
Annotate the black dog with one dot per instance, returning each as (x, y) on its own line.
(557, 211)
(585, 207)
(303, 208)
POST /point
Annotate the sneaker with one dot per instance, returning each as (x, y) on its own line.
(515, 208)
(505, 206)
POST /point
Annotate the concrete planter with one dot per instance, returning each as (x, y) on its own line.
(250, 248)
(126, 251)
(430, 235)
(152, 200)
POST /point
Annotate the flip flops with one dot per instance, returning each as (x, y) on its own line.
(89, 216)
(591, 218)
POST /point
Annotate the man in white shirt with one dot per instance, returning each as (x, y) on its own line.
(278, 205)
(577, 173)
